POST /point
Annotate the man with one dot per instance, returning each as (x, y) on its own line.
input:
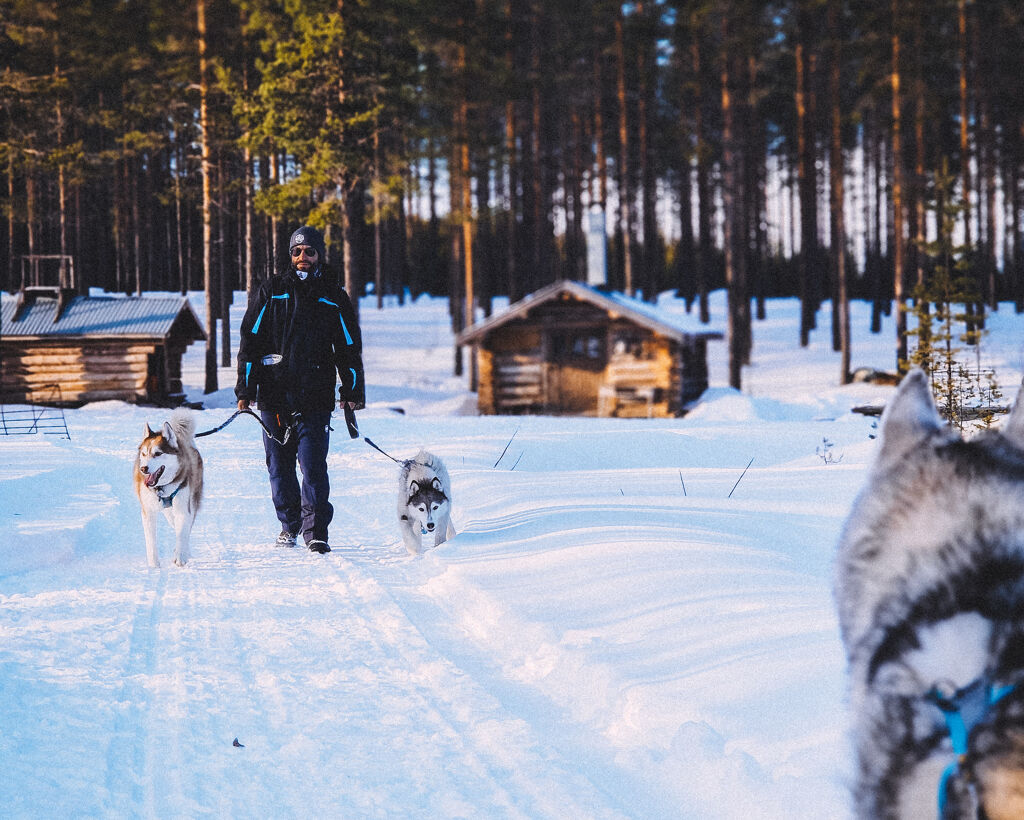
(300, 335)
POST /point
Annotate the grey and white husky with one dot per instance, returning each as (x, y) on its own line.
(424, 501)
(930, 591)
(168, 478)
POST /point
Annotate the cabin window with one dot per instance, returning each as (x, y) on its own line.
(632, 345)
(585, 345)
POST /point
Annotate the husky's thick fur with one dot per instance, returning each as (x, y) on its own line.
(169, 479)
(424, 501)
(930, 590)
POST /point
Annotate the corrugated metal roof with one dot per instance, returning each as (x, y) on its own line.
(96, 316)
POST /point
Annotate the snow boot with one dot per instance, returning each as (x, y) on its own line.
(316, 545)
(285, 539)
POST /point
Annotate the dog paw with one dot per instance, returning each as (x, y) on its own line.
(180, 562)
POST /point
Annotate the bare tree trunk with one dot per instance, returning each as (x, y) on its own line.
(965, 164)
(705, 202)
(208, 283)
(733, 212)
(182, 269)
(841, 315)
(378, 262)
(807, 188)
(249, 257)
(648, 192)
(466, 210)
(897, 197)
(625, 220)
(226, 282)
(9, 283)
(136, 230)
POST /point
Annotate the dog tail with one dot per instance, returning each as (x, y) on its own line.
(183, 423)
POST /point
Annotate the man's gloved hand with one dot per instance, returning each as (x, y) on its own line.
(243, 404)
(351, 405)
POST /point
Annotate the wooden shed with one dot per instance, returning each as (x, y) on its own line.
(95, 347)
(573, 349)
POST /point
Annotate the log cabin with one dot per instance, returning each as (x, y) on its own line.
(572, 349)
(94, 347)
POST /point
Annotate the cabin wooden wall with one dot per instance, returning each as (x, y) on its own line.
(86, 370)
(570, 356)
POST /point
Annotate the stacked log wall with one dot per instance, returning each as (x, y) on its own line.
(84, 370)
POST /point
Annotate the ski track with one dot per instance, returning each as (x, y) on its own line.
(368, 718)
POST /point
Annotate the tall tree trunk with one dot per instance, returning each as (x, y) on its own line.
(732, 201)
(183, 282)
(226, 282)
(600, 197)
(841, 311)
(378, 261)
(465, 204)
(897, 197)
(625, 221)
(705, 200)
(648, 256)
(965, 146)
(807, 185)
(134, 169)
(9, 257)
(249, 257)
(208, 283)
(539, 198)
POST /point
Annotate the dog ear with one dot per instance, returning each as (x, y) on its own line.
(909, 417)
(436, 484)
(168, 432)
(414, 487)
(1013, 428)
(149, 432)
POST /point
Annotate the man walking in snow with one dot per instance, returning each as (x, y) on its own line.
(298, 337)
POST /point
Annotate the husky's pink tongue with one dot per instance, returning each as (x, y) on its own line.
(152, 478)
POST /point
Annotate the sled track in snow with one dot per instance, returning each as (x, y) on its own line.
(500, 754)
(126, 754)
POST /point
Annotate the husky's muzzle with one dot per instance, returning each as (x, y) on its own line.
(151, 478)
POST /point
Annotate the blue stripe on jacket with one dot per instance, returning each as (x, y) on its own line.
(256, 326)
(348, 337)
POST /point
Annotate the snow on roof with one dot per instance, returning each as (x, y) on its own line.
(149, 316)
(651, 316)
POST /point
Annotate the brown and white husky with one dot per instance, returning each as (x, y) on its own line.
(169, 478)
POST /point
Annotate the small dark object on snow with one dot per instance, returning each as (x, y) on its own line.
(238, 745)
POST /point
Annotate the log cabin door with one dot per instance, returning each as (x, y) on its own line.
(577, 357)
(156, 376)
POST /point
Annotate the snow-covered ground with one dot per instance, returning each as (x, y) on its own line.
(611, 633)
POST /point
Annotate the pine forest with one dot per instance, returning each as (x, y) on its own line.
(468, 148)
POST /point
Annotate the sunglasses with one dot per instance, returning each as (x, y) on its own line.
(298, 250)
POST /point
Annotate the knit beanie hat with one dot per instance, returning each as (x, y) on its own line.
(308, 235)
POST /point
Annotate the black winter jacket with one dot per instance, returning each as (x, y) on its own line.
(313, 327)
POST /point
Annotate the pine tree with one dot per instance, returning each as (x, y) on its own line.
(961, 392)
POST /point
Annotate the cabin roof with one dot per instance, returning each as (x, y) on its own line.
(151, 317)
(613, 303)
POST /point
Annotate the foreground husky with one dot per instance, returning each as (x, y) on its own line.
(169, 478)
(424, 501)
(930, 589)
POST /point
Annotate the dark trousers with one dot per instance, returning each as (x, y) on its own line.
(306, 510)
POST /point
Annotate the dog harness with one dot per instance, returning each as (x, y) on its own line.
(166, 500)
(963, 710)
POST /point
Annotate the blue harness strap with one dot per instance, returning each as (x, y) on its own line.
(963, 711)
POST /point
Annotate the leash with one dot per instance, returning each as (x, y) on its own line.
(963, 710)
(248, 412)
(371, 443)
